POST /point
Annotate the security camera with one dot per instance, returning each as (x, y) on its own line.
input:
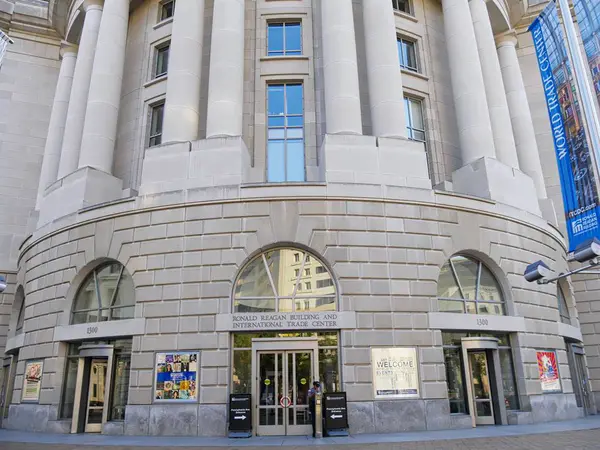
(537, 271)
(587, 250)
(2, 284)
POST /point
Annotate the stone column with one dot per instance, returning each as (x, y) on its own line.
(58, 119)
(81, 86)
(182, 106)
(100, 129)
(342, 95)
(383, 65)
(520, 114)
(472, 113)
(226, 79)
(504, 141)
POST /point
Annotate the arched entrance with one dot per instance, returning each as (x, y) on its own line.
(288, 292)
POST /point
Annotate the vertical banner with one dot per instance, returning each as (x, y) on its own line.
(32, 384)
(548, 370)
(395, 372)
(575, 163)
(588, 19)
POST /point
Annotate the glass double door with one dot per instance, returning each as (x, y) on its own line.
(482, 390)
(283, 380)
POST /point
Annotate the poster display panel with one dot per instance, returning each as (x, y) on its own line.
(548, 370)
(395, 372)
(32, 384)
(176, 377)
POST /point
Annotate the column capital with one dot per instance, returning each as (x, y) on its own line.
(66, 48)
(92, 4)
(507, 38)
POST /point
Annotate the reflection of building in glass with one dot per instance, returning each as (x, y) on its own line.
(588, 20)
(97, 383)
(285, 280)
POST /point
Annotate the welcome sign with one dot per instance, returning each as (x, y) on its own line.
(575, 163)
(395, 372)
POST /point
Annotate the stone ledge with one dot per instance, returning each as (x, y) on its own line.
(15, 342)
(81, 189)
(489, 178)
(186, 166)
(378, 162)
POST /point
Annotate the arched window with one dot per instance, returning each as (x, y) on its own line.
(20, 300)
(107, 293)
(467, 286)
(284, 280)
(563, 309)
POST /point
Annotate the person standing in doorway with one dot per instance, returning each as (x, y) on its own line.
(312, 395)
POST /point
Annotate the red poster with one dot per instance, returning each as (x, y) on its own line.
(548, 369)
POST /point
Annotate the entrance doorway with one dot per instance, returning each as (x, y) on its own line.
(581, 383)
(285, 370)
(96, 396)
(92, 388)
(483, 375)
(482, 389)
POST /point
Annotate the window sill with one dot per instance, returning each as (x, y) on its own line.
(414, 74)
(282, 184)
(156, 80)
(406, 16)
(163, 23)
(284, 58)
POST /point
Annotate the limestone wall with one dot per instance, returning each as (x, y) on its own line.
(385, 254)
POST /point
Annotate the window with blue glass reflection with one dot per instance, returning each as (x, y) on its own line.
(407, 54)
(285, 140)
(284, 39)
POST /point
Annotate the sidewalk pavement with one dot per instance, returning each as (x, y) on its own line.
(574, 434)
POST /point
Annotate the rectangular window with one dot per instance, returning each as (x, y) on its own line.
(321, 269)
(407, 53)
(162, 60)
(402, 5)
(297, 257)
(120, 386)
(307, 272)
(308, 286)
(324, 283)
(285, 140)
(167, 8)
(454, 380)
(296, 273)
(284, 39)
(415, 126)
(156, 124)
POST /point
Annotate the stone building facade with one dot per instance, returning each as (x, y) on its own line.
(211, 197)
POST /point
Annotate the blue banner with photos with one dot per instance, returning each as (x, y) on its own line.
(575, 163)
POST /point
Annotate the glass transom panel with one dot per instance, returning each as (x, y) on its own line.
(467, 286)
(285, 280)
(106, 294)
